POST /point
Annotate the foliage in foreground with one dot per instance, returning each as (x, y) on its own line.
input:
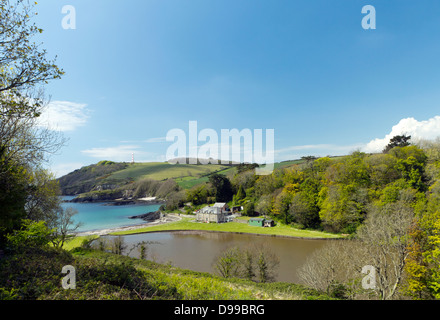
(32, 269)
(35, 274)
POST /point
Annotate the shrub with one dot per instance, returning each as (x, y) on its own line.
(32, 234)
(32, 273)
(247, 263)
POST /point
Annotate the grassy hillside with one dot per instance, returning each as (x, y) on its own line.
(108, 175)
(88, 177)
(162, 170)
(105, 276)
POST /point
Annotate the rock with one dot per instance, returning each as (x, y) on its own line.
(150, 216)
(120, 202)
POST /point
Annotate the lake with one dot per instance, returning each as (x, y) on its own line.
(197, 250)
(192, 249)
(96, 216)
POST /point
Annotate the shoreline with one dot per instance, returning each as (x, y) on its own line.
(112, 201)
(175, 218)
(107, 231)
(189, 231)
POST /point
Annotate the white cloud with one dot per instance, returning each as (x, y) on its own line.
(427, 129)
(64, 116)
(155, 140)
(118, 153)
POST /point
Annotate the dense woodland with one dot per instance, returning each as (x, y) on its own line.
(388, 204)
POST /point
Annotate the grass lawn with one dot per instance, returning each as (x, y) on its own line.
(76, 242)
(190, 224)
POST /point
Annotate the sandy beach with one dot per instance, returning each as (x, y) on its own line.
(167, 219)
(147, 199)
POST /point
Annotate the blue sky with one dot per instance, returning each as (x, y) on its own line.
(307, 69)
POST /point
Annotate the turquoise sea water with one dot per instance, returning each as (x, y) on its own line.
(97, 216)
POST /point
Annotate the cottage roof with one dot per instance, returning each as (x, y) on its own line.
(219, 204)
(210, 210)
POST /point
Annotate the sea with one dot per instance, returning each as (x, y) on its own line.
(98, 216)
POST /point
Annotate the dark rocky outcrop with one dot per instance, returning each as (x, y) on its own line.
(98, 196)
(150, 216)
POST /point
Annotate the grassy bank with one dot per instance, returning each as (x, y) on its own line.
(35, 275)
(190, 224)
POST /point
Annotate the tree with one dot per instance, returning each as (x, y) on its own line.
(24, 64)
(118, 245)
(432, 258)
(417, 267)
(13, 189)
(239, 196)
(280, 206)
(228, 263)
(63, 225)
(249, 209)
(264, 204)
(385, 234)
(412, 167)
(248, 264)
(31, 235)
(381, 242)
(176, 200)
(423, 263)
(335, 269)
(245, 179)
(254, 261)
(242, 167)
(342, 207)
(43, 202)
(222, 187)
(382, 169)
(267, 263)
(397, 141)
(309, 163)
(24, 69)
(304, 210)
(197, 195)
(309, 158)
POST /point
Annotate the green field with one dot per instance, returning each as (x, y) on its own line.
(162, 170)
(186, 175)
(189, 182)
(287, 163)
(190, 224)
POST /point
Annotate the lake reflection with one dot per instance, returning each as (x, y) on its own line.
(197, 250)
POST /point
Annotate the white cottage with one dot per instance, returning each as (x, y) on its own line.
(216, 213)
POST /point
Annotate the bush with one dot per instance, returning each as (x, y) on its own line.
(32, 234)
(248, 263)
(32, 273)
(249, 209)
(37, 274)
